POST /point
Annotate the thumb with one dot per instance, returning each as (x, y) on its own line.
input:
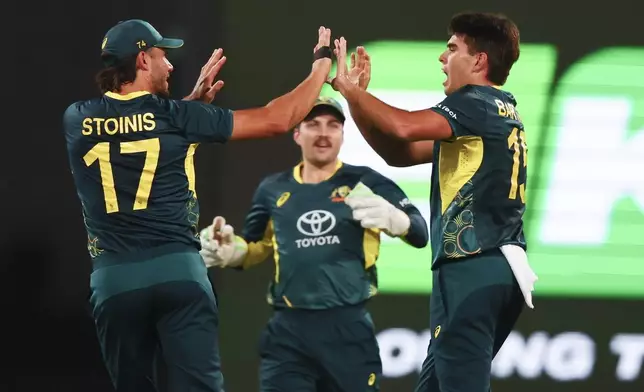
(227, 234)
(361, 76)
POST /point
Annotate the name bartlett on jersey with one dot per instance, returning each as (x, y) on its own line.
(118, 125)
(506, 109)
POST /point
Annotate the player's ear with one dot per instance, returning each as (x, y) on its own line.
(143, 61)
(480, 61)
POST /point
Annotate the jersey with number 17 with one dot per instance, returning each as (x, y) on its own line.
(131, 157)
(478, 175)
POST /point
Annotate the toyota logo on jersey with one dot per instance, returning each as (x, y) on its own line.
(316, 225)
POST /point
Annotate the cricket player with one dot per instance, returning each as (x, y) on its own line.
(476, 141)
(321, 221)
(131, 155)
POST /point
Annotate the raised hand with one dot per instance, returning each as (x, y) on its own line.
(361, 64)
(357, 74)
(322, 59)
(210, 244)
(206, 87)
(219, 245)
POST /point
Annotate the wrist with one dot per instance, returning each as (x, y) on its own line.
(322, 65)
(240, 250)
(348, 90)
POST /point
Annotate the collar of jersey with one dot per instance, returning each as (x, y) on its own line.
(126, 97)
(297, 171)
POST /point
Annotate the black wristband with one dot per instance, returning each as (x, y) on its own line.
(323, 52)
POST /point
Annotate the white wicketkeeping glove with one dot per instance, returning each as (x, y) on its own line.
(374, 212)
(219, 245)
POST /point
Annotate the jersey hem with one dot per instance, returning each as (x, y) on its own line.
(110, 259)
(439, 262)
(314, 308)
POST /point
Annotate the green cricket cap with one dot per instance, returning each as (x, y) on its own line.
(330, 103)
(132, 36)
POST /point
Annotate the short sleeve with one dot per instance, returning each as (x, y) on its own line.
(202, 122)
(466, 112)
(71, 118)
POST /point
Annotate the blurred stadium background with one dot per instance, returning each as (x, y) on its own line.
(580, 87)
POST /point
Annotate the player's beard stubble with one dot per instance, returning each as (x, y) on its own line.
(162, 86)
(160, 82)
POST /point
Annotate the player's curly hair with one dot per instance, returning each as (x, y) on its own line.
(116, 73)
(493, 34)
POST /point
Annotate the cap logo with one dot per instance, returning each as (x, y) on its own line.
(141, 44)
(326, 100)
(104, 43)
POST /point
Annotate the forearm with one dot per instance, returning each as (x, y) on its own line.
(417, 235)
(257, 253)
(376, 116)
(281, 114)
(394, 151)
(240, 253)
(293, 106)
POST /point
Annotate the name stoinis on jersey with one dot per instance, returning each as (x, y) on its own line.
(118, 125)
(315, 226)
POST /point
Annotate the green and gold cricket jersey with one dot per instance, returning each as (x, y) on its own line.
(323, 257)
(131, 157)
(479, 175)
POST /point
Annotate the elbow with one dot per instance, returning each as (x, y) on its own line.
(398, 157)
(423, 242)
(404, 132)
(419, 241)
(276, 123)
(424, 237)
(277, 127)
(397, 161)
(418, 235)
(401, 127)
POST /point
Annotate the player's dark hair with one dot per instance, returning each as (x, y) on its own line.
(493, 34)
(116, 73)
